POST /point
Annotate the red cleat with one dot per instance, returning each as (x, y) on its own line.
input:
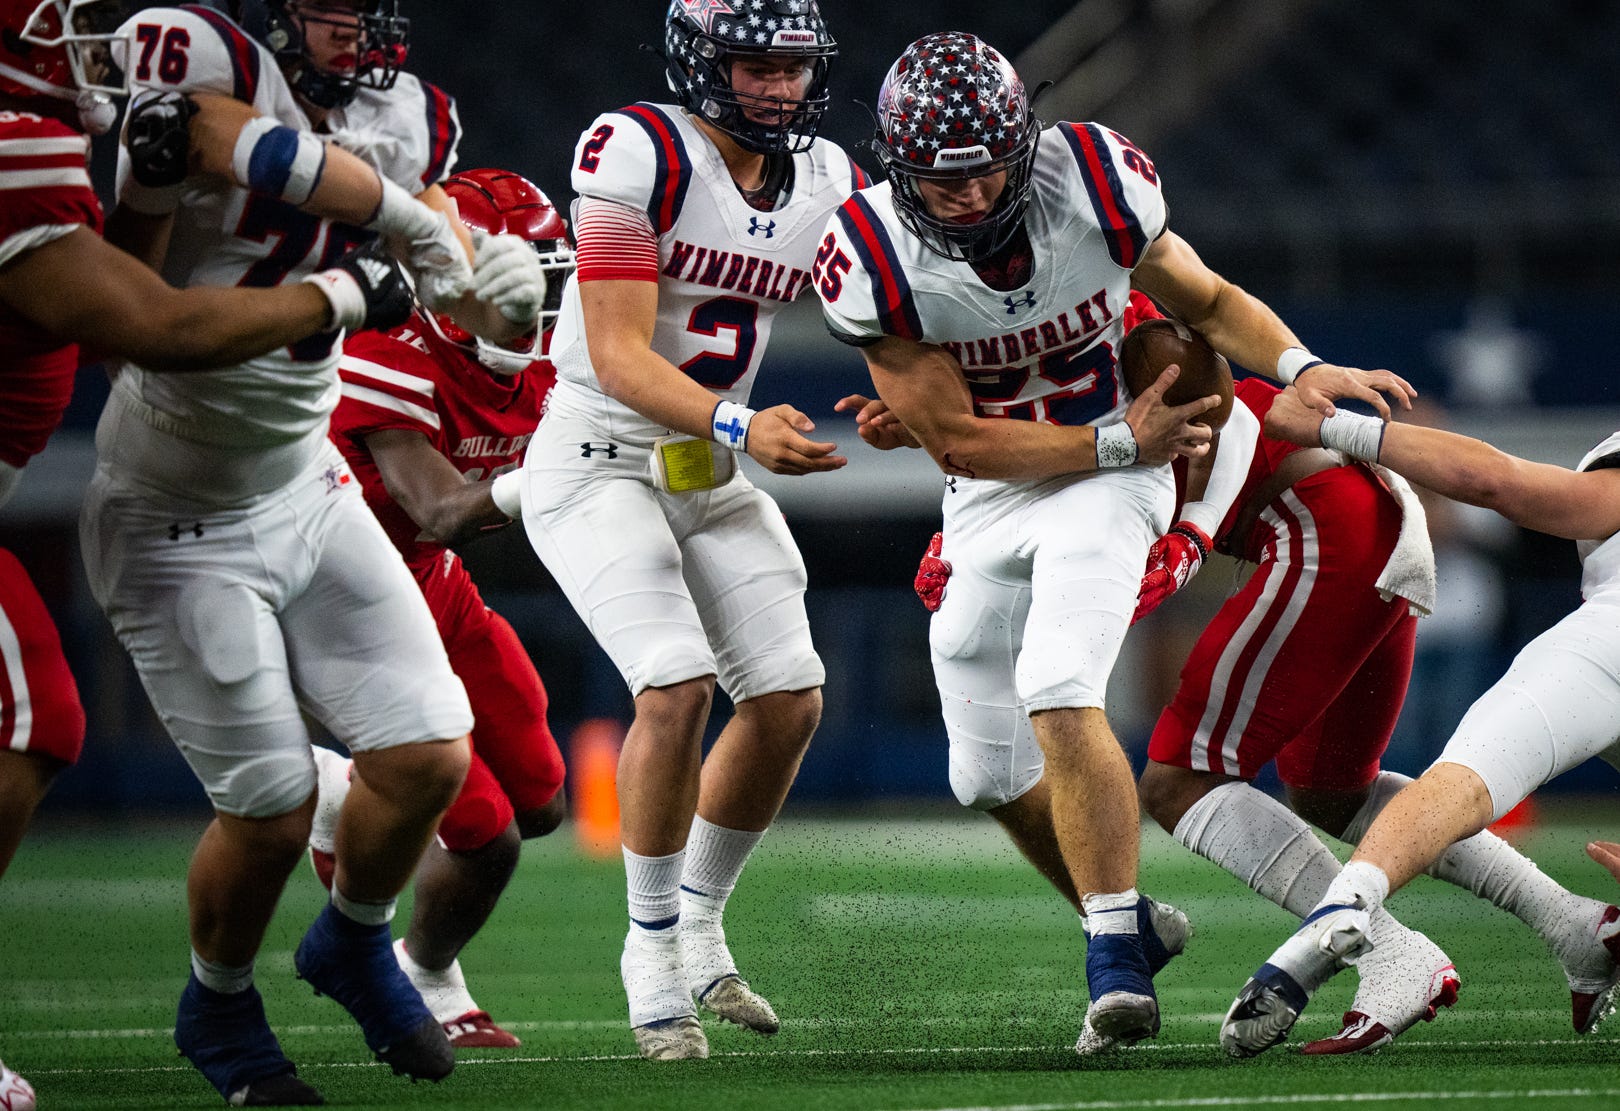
(476, 1030)
(1404, 981)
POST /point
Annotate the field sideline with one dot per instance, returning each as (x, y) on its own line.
(917, 965)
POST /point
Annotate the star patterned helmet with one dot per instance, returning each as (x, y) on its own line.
(501, 202)
(66, 50)
(950, 108)
(380, 51)
(702, 38)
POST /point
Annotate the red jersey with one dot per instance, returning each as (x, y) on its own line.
(411, 378)
(44, 192)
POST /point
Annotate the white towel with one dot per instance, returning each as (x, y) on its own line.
(1409, 573)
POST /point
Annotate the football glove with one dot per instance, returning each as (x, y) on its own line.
(508, 275)
(1174, 558)
(932, 575)
(430, 248)
(158, 136)
(366, 289)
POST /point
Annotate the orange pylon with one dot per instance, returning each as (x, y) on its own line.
(1516, 822)
(593, 764)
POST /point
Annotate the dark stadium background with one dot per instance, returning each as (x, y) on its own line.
(1400, 181)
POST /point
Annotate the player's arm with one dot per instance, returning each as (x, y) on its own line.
(1576, 505)
(430, 490)
(923, 386)
(119, 306)
(1243, 328)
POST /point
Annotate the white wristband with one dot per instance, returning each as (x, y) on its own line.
(1357, 436)
(1291, 362)
(1116, 445)
(507, 492)
(730, 423)
(344, 295)
(399, 213)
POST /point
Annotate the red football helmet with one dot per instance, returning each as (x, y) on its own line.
(501, 202)
(66, 50)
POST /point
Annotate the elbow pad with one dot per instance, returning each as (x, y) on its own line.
(278, 161)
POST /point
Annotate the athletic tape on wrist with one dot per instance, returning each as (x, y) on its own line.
(1293, 361)
(1116, 445)
(275, 160)
(507, 492)
(730, 423)
(345, 296)
(1357, 436)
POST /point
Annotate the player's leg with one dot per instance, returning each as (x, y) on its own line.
(367, 660)
(24, 779)
(605, 539)
(203, 637)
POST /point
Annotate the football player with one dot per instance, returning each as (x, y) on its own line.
(226, 538)
(985, 284)
(430, 416)
(62, 288)
(696, 223)
(1557, 706)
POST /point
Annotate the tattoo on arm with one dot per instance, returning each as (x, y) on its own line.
(953, 467)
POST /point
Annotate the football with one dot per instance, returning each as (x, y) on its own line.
(1154, 344)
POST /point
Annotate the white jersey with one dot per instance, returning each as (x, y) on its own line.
(1045, 351)
(225, 235)
(1600, 559)
(726, 268)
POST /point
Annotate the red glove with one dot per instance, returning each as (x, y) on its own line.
(932, 575)
(1174, 558)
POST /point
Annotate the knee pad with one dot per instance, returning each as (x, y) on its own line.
(996, 763)
(266, 785)
(218, 622)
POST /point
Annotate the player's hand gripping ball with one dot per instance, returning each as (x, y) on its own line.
(1155, 344)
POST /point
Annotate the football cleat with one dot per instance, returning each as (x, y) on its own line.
(331, 788)
(445, 993)
(1270, 1003)
(1164, 931)
(673, 1039)
(16, 1094)
(227, 1038)
(654, 978)
(1590, 957)
(476, 1030)
(731, 999)
(355, 965)
(1404, 981)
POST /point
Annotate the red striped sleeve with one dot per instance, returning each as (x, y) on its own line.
(614, 242)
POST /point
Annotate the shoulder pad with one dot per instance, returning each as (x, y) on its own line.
(1122, 186)
(194, 49)
(858, 275)
(636, 156)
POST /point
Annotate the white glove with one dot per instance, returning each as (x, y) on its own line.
(507, 274)
(433, 254)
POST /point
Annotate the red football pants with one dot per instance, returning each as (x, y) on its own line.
(40, 710)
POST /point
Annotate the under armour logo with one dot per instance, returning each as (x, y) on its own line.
(588, 450)
(767, 229)
(950, 484)
(195, 528)
(1025, 300)
(336, 478)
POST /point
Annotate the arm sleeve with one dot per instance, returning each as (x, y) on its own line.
(613, 242)
(1239, 439)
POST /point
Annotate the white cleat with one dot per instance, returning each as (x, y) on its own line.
(332, 773)
(673, 1039)
(1172, 930)
(1270, 1003)
(1590, 955)
(1404, 981)
(16, 1094)
(731, 999)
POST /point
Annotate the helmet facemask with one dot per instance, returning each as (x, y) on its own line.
(70, 50)
(704, 38)
(977, 241)
(380, 49)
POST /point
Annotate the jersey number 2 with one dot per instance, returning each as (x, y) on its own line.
(712, 369)
(588, 157)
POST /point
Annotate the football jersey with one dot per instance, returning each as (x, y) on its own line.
(1600, 559)
(725, 267)
(411, 378)
(225, 235)
(1046, 350)
(45, 194)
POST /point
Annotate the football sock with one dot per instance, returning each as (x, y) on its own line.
(1261, 842)
(1489, 867)
(443, 990)
(1111, 912)
(1359, 883)
(653, 884)
(367, 914)
(221, 978)
(715, 857)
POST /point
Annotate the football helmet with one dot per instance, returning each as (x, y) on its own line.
(703, 37)
(384, 41)
(501, 202)
(67, 50)
(952, 107)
